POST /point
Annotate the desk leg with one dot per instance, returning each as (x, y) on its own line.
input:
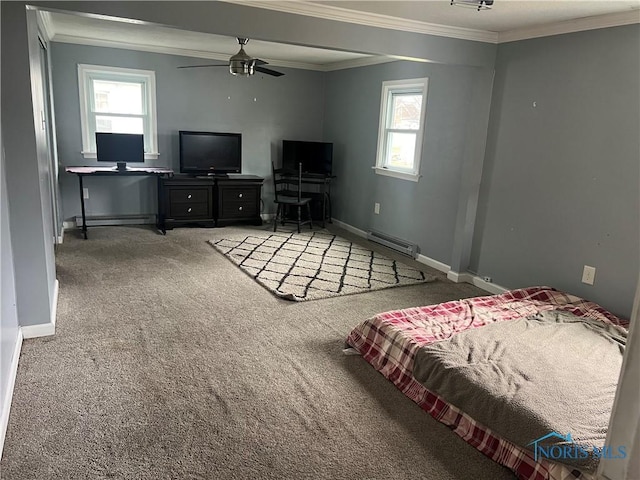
(324, 205)
(84, 218)
(160, 223)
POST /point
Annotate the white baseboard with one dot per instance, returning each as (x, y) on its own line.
(465, 277)
(488, 286)
(433, 263)
(475, 280)
(40, 330)
(349, 228)
(29, 331)
(428, 261)
(68, 225)
(460, 277)
(60, 238)
(8, 396)
(44, 329)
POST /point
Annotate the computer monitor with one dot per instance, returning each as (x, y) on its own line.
(315, 157)
(120, 148)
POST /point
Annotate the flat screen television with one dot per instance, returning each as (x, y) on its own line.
(316, 157)
(210, 153)
(119, 148)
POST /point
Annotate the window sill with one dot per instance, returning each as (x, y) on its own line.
(394, 173)
(147, 156)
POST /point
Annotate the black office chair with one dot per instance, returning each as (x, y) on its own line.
(288, 193)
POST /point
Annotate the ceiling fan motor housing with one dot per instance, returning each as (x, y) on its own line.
(241, 63)
(241, 67)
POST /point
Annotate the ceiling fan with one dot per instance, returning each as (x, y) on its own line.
(242, 64)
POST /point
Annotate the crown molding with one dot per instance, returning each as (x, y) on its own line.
(358, 62)
(184, 52)
(571, 26)
(329, 12)
(95, 42)
(340, 14)
(181, 52)
(45, 24)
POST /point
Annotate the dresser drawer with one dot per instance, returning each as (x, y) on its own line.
(239, 209)
(239, 194)
(189, 210)
(188, 195)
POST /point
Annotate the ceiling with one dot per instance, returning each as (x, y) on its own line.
(504, 16)
(508, 20)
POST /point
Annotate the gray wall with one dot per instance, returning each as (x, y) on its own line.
(264, 109)
(560, 187)
(426, 211)
(26, 166)
(8, 313)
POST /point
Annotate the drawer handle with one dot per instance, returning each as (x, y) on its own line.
(239, 208)
(189, 196)
(189, 210)
(239, 195)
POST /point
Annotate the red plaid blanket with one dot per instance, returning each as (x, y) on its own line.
(390, 340)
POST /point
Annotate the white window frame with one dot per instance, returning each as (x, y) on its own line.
(389, 88)
(87, 73)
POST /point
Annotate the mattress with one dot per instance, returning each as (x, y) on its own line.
(390, 341)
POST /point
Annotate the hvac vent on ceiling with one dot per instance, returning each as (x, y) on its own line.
(397, 244)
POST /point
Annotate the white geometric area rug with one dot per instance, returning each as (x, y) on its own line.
(309, 266)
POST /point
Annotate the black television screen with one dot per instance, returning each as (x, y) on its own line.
(119, 147)
(209, 153)
(316, 157)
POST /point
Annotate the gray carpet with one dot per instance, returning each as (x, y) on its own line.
(169, 362)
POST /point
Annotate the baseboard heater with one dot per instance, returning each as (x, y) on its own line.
(397, 244)
(107, 220)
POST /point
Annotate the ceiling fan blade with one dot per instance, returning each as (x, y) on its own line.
(268, 71)
(257, 61)
(199, 66)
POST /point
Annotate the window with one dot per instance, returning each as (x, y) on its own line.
(402, 118)
(118, 100)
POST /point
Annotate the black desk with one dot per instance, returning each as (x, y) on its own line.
(112, 172)
(324, 184)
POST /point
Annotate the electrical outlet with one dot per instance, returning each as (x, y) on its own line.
(85, 193)
(588, 275)
(376, 208)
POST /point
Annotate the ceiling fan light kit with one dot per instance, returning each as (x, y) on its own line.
(475, 4)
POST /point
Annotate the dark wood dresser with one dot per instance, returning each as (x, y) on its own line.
(238, 200)
(212, 202)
